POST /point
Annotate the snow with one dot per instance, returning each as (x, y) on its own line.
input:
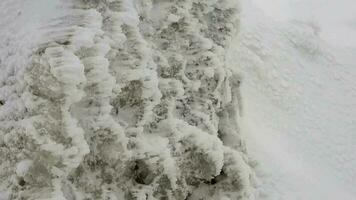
(21, 30)
(334, 19)
(144, 99)
(114, 98)
(299, 102)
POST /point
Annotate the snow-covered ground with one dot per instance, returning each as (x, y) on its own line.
(22, 25)
(299, 97)
(300, 108)
(120, 99)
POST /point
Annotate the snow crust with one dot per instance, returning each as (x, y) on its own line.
(299, 102)
(171, 99)
(123, 99)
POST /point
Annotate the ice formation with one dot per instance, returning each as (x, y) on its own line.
(127, 99)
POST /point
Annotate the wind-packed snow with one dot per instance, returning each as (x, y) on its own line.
(21, 31)
(300, 107)
(122, 99)
(179, 99)
(335, 19)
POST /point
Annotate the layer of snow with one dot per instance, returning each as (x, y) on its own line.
(335, 19)
(300, 108)
(22, 29)
(122, 99)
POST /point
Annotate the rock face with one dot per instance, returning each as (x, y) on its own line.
(128, 99)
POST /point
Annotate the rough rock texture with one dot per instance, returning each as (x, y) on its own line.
(128, 100)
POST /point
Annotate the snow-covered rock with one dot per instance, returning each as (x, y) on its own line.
(124, 99)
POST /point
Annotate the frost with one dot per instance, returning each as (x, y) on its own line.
(128, 100)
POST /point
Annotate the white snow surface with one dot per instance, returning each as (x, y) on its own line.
(21, 23)
(111, 100)
(299, 94)
(300, 108)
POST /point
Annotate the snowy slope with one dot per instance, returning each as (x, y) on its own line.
(299, 102)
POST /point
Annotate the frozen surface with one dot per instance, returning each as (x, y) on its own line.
(122, 99)
(300, 107)
(335, 19)
(21, 30)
